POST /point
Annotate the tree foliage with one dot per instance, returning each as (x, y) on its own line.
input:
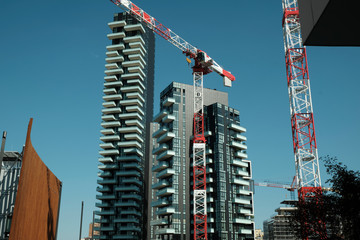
(333, 214)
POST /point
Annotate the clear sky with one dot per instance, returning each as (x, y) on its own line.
(52, 56)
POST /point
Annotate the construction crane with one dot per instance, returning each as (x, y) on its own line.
(301, 109)
(203, 64)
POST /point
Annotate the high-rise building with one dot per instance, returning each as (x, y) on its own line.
(279, 226)
(229, 189)
(9, 180)
(126, 116)
(229, 194)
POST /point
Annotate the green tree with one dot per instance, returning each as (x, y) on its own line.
(337, 210)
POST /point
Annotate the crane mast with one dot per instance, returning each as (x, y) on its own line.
(203, 64)
(301, 110)
(301, 113)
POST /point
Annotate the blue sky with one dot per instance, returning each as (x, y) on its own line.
(52, 56)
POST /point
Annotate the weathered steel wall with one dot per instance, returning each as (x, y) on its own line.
(38, 198)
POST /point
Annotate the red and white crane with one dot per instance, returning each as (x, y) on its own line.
(301, 111)
(203, 64)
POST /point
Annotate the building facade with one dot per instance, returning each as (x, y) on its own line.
(172, 171)
(9, 180)
(278, 227)
(126, 116)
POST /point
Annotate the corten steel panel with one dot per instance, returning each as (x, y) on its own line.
(37, 202)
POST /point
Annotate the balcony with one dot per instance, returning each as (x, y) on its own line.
(160, 184)
(109, 104)
(107, 166)
(115, 47)
(127, 189)
(107, 146)
(238, 145)
(109, 152)
(168, 118)
(160, 203)
(136, 82)
(114, 59)
(159, 222)
(132, 196)
(107, 181)
(110, 66)
(112, 97)
(159, 132)
(131, 102)
(134, 51)
(161, 166)
(102, 213)
(104, 174)
(165, 137)
(245, 231)
(106, 160)
(159, 116)
(241, 182)
(130, 130)
(108, 91)
(165, 173)
(137, 38)
(133, 151)
(242, 201)
(135, 109)
(245, 211)
(130, 116)
(137, 57)
(114, 71)
(127, 204)
(237, 128)
(127, 220)
(110, 78)
(113, 84)
(242, 221)
(112, 36)
(105, 197)
(168, 102)
(128, 173)
(133, 63)
(108, 118)
(241, 155)
(136, 70)
(132, 89)
(110, 124)
(117, 24)
(111, 110)
(242, 173)
(109, 138)
(132, 76)
(107, 131)
(135, 95)
(102, 205)
(128, 159)
(165, 211)
(244, 192)
(240, 137)
(239, 163)
(134, 27)
(133, 165)
(161, 231)
(134, 123)
(160, 149)
(165, 155)
(122, 236)
(132, 181)
(131, 212)
(133, 136)
(112, 54)
(103, 189)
